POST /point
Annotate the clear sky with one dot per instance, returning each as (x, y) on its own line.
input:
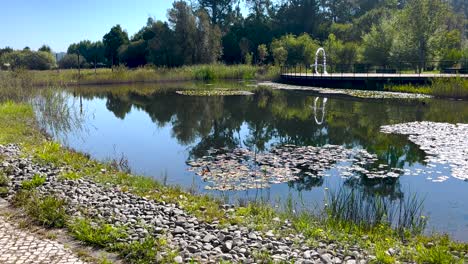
(60, 23)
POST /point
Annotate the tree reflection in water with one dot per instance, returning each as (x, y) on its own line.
(275, 117)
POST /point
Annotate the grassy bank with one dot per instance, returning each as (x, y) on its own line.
(446, 87)
(140, 75)
(344, 220)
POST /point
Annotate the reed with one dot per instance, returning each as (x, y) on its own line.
(456, 87)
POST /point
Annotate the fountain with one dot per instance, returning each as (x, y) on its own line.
(324, 61)
(323, 110)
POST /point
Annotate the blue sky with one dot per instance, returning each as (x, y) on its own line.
(60, 23)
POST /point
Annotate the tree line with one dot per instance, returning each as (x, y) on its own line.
(379, 32)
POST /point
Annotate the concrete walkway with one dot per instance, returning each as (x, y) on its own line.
(21, 246)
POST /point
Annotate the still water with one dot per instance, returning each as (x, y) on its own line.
(158, 131)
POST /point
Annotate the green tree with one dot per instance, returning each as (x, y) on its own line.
(183, 22)
(262, 52)
(208, 44)
(70, 61)
(299, 50)
(112, 42)
(219, 11)
(377, 44)
(280, 55)
(45, 48)
(418, 23)
(161, 48)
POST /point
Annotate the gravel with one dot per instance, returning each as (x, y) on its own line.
(194, 239)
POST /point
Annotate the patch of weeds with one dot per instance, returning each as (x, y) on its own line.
(36, 181)
(435, 255)
(3, 191)
(4, 181)
(69, 176)
(99, 234)
(103, 260)
(381, 256)
(262, 256)
(259, 214)
(47, 211)
(146, 251)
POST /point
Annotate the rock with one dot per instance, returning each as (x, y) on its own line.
(253, 236)
(179, 230)
(208, 238)
(178, 259)
(227, 246)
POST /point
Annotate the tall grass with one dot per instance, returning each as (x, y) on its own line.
(456, 87)
(121, 74)
(349, 205)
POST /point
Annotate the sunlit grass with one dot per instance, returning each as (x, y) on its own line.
(456, 87)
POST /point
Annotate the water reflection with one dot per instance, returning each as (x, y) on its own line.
(184, 127)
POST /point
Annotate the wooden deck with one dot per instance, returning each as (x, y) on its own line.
(363, 80)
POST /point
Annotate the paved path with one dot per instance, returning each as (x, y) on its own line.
(21, 246)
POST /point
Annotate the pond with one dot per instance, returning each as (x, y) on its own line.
(159, 131)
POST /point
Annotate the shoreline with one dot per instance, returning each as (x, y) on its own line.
(258, 218)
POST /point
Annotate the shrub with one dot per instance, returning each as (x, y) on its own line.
(47, 211)
(35, 182)
(99, 234)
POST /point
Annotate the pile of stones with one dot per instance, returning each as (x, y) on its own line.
(442, 142)
(242, 168)
(191, 237)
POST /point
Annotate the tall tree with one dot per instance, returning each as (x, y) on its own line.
(218, 10)
(208, 48)
(161, 47)
(112, 42)
(182, 21)
(420, 21)
(45, 48)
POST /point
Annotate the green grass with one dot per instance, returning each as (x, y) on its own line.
(47, 210)
(36, 181)
(456, 87)
(121, 74)
(97, 234)
(146, 251)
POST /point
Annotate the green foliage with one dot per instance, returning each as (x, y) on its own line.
(98, 234)
(377, 44)
(70, 176)
(32, 60)
(145, 252)
(262, 52)
(71, 61)
(36, 181)
(47, 211)
(299, 50)
(435, 255)
(452, 87)
(112, 42)
(341, 54)
(4, 181)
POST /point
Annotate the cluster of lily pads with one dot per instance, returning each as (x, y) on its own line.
(241, 169)
(445, 144)
(349, 92)
(213, 92)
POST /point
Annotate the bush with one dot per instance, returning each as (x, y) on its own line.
(48, 210)
(70, 61)
(31, 60)
(35, 182)
(98, 234)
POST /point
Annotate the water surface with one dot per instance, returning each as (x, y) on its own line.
(158, 131)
